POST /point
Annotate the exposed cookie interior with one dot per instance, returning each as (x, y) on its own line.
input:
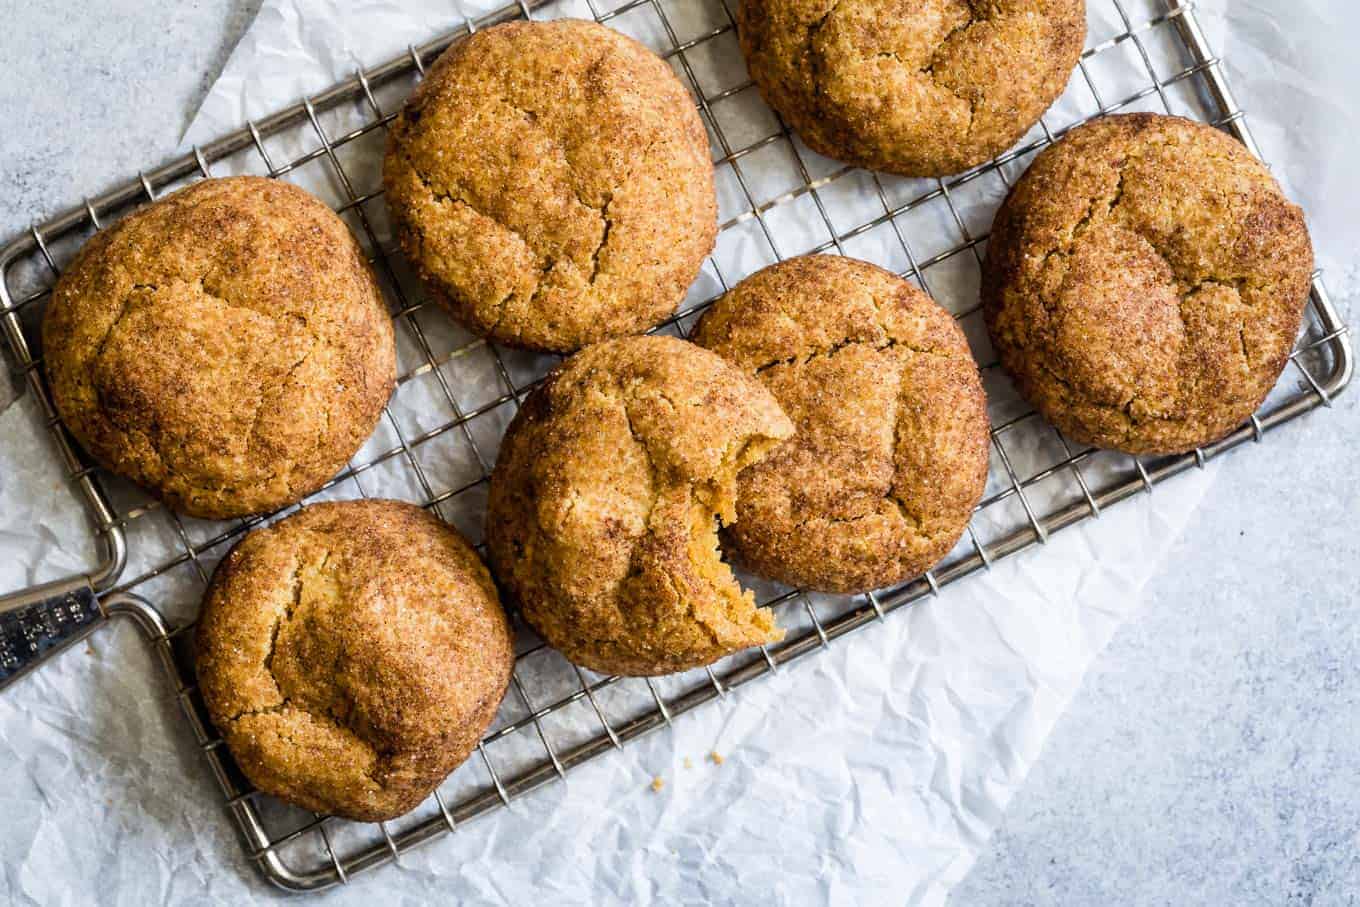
(708, 517)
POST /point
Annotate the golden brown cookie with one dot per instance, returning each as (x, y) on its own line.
(352, 655)
(925, 88)
(226, 347)
(606, 499)
(1145, 283)
(890, 451)
(552, 183)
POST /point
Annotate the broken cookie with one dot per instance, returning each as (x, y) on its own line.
(607, 497)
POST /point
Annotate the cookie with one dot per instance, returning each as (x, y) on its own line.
(890, 452)
(226, 347)
(606, 498)
(927, 88)
(551, 182)
(1145, 283)
(352, 655)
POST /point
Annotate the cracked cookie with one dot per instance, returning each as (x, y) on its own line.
(889, 455)
(352, 655)
(1145, 282)
(927, 88)
(226, 347)
(551, 182)
(605, 503)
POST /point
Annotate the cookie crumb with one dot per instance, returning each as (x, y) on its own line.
(716, 757)
(688, 762)
(658, 782)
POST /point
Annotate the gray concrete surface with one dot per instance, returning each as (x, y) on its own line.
(1212, 756)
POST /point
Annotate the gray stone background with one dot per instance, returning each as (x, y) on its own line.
(1213, 755)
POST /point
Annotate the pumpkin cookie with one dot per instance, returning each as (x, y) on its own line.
(606, 500)
(890, 451)
(226, 347)
(552, 183)
(927, 88)
(1145, 283)
(352, 655)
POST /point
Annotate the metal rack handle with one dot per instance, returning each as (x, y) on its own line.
(39, 622)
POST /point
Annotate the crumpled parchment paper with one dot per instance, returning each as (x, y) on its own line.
(870, 773)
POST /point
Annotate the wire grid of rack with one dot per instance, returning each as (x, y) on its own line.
(1039, 483)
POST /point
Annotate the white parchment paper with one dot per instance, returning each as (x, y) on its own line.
(871, 773)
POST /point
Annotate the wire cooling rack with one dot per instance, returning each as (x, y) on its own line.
(456, 394)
